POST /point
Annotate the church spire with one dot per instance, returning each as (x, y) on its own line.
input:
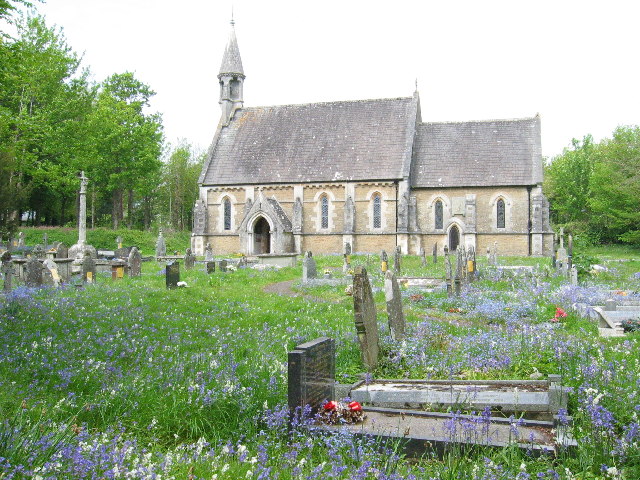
(231, 78)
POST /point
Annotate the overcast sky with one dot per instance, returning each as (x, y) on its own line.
(574, 62)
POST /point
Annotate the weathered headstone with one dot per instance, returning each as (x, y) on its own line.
(311, 375)
(384, 261)
(38, 252)
(242, 263)
(45, 241)
(189, 259)
(222, 265)
(21, 239)
(610, 305)
(435, 253)
(172, 274)
(161, 246)
(51, 272)
(135, 262)
(119, 241)
(459, 272)
(397, 255)
(423, 257)
(570, 253)
(448, 271)
(208, 253)
(211, 267)
(7, 270)
(61, 250)
(471, 263)
(309, 269)
(364, 309)
(394, 306)
(88, 268)
(573, 274)
(33, 275)
(118, 269)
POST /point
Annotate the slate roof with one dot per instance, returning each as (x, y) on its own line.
(319, 142)
(477, 153)
(231, 61)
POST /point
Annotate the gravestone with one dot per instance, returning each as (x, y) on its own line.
(33, 275)
(394, 306)
(208, 253)
(311, 375)
(161, 246)
(458, 276)
(346, 261)
(88, 268)
(435, 253)
(45, 241)
(397, 254)
(189, 259)
(610, 305)
(423, 257)
(384, 261)
(61, 250)
(448, 272)
(570, 254)
(573, 274)
(135, 262)
(122, 252)
(21, 239)
(364, 309)
(172, 274)
(211, 267)
(7, 270)
(471, 263)
(242, 263)
(118, 269)
(119, 241)
(222, 265)
(38, 252)
(309, 269)
(51, 273)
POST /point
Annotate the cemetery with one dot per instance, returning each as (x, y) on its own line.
(455, 359)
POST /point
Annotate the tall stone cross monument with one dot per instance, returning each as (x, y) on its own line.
(77, 250)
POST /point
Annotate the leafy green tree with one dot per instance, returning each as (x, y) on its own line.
(127, 142)
(615, 188)
(180, 185)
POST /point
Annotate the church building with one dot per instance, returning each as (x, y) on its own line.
(292, 178)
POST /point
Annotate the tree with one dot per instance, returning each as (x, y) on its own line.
(180, 185)
(127, 141)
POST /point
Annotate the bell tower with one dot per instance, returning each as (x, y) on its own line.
(231, 78)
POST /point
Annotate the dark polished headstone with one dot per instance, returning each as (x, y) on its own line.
(364, 309)
(222, 265)
(173, 274)
(211, 267)
(311, 374)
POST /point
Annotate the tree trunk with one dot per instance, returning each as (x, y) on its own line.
(130, 209)
(117, 208)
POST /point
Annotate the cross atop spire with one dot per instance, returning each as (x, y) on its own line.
(231, 61)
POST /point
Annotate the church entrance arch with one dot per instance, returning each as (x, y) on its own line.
(454, 238)
(261, 237)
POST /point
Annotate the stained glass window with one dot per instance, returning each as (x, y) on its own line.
(324, 211)
(377, 211)
(500, 213)
(227, 213)
(439, 219)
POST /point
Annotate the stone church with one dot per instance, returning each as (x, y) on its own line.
(292, 178)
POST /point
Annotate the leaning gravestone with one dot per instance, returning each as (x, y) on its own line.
(364, 309)
(394, 307)
(7, 270)
(309, 269)
(161, 246)
(51, 272)
(172, 274)
(397, 254)
(189, 259)
(33, 269)
(311, 375)
(135, 262)
(88, 268)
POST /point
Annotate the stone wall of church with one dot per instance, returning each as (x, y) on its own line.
(374, 243)
(322, 244)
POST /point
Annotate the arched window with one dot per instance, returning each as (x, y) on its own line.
(377, 211)
(324, 212)
(227, 213)
(438, 215)
(500, 213)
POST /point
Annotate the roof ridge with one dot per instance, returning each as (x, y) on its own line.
(329, 103)
(460, 122)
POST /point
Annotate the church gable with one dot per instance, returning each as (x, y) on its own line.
(485, 153)
(337, 141)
